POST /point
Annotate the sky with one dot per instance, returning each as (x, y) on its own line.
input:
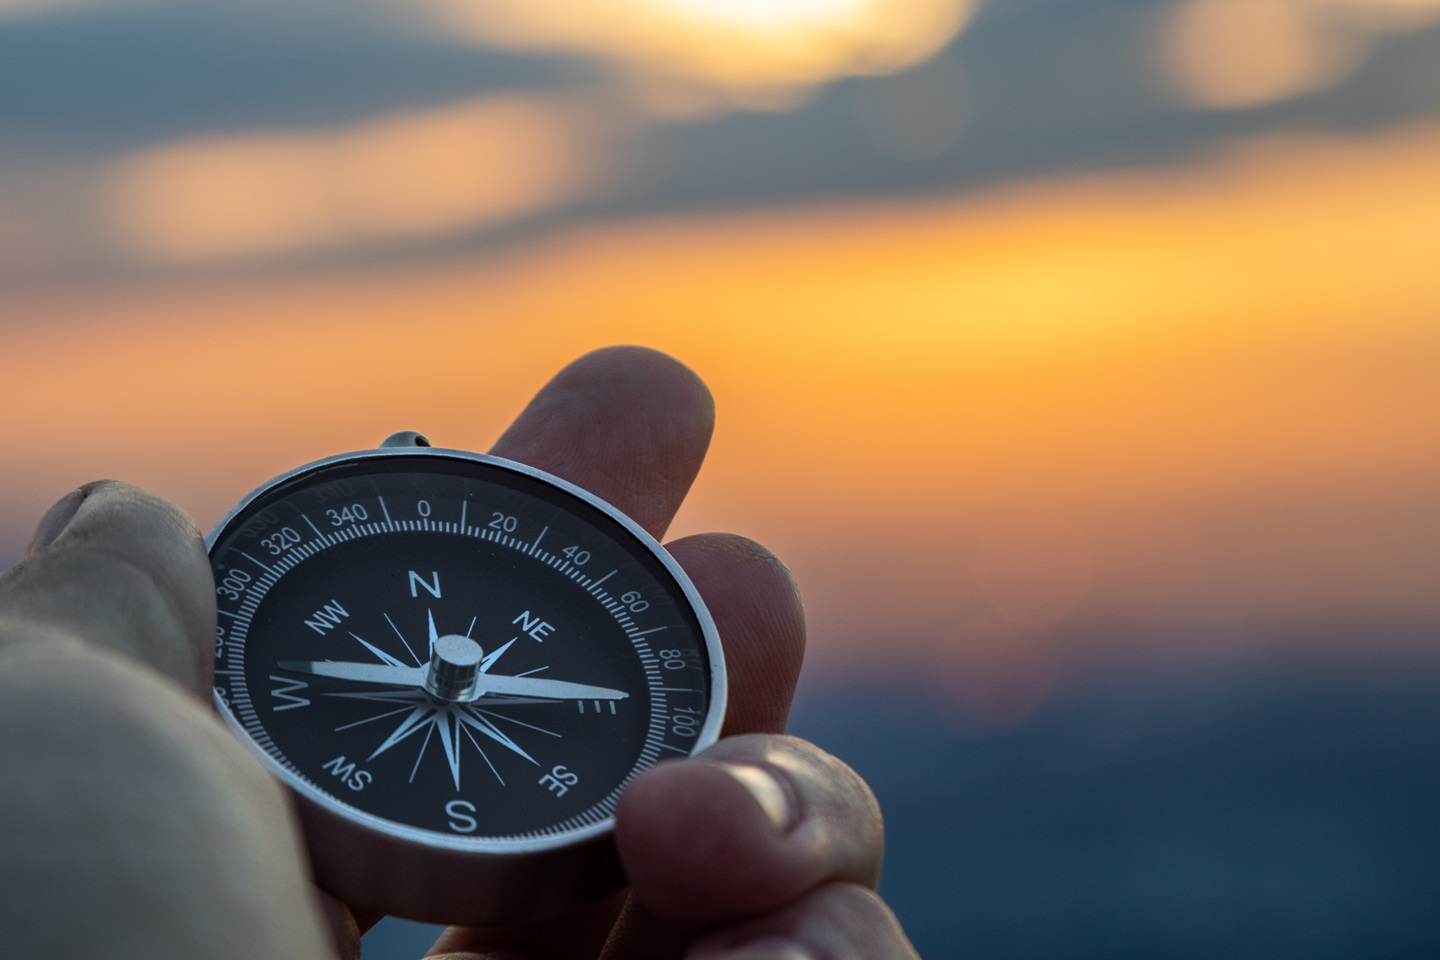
(1046, 335)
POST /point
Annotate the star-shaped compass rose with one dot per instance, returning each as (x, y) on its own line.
(451, 697)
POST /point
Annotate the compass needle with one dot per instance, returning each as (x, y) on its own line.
(335, 664)
(360, 672)
(540, 687)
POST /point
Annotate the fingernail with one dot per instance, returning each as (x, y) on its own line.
(767, 789)
(56, 519)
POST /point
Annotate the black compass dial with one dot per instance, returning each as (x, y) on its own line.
(439, 642)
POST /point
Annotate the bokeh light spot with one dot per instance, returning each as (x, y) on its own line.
(1230, 54)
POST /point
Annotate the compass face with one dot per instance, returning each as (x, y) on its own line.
(456, 650)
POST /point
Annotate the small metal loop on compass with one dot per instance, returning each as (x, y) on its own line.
(405, 438)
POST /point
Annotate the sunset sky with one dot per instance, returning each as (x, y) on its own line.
(1043, 334)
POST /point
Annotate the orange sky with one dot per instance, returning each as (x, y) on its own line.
(1196, 405)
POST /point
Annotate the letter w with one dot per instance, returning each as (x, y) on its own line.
(327, 618)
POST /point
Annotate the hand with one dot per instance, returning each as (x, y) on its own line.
(142, 826)
(135, 825)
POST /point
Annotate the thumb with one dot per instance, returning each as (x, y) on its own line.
(116, 567)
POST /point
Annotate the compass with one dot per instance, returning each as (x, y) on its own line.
(456, 663)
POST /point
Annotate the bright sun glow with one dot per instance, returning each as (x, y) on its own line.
(756, 52)
(773, 14)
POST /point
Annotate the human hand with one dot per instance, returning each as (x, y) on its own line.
(762, 847)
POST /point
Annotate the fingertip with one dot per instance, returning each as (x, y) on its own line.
(101, 506)
(120, 567)
(745, 828)
(700, 844)
(161, 539)
(656, 371)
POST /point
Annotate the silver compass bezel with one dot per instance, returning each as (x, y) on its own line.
(390, 867)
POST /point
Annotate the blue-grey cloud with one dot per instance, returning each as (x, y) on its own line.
(111, 80)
